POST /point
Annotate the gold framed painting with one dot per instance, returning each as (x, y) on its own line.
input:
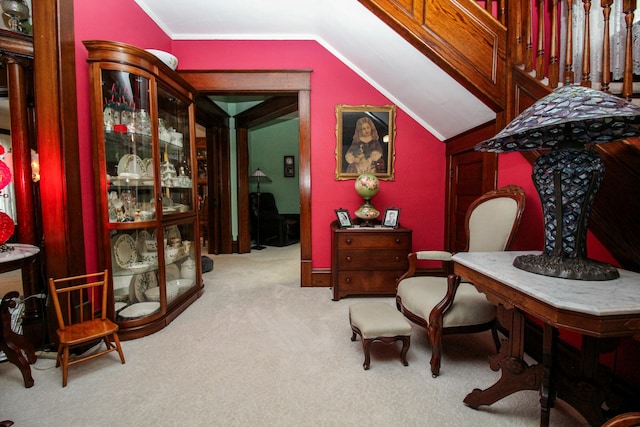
(365, 141)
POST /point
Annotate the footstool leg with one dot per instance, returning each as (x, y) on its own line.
(406, 342)
(366, 344)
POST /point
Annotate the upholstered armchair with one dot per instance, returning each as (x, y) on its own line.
(275, 229)
(443, 305)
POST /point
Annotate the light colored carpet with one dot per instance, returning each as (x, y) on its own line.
(258, 350)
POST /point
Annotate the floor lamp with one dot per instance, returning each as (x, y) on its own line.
(258, 176)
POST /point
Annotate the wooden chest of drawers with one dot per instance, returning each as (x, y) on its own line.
(368, 261)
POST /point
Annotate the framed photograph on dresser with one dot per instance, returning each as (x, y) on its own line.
(391, 217)
(344, 220)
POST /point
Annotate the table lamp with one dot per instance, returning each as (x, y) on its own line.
(567, 176)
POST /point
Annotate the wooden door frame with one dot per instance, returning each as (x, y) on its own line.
(260, 114)
(266, 82)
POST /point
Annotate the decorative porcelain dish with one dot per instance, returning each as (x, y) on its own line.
(153, 294)
(140, 309)
(138, 267)
(131, 164)
(124, 250)
(169, 60)
(142, 282)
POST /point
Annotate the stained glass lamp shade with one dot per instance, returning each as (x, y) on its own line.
(568, 176)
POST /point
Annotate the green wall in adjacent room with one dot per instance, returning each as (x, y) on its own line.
(268, 145)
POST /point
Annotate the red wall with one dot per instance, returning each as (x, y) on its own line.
(420, 162)
(119, 20)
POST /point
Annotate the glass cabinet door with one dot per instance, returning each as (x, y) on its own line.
(175, 153)
(136, 282)
(128, 147)
(181, 269)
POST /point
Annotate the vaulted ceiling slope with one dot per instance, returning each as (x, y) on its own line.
(348, 30)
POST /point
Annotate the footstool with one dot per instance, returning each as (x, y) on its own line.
(378, 321)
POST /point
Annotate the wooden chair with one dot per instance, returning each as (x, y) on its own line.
(82, 317)
(629, 419)
(446, 306)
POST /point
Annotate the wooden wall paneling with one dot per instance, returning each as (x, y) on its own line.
(57, 134)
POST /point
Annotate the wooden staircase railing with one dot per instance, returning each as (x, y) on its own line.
(509, 54)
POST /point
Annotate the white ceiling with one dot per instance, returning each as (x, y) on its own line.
(349, 31)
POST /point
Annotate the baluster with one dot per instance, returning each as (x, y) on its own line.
(540, 52)
(586, 49)
(554, 70)
(629, 7)
(502, 11)
(515, 32)
(606, 46)
(568, 59)
(488, 6)
(528, 53)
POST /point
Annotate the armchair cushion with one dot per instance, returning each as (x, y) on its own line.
(421, 294)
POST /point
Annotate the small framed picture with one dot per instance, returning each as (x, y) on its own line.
(289, 166)
(391, 217)
(344, 220)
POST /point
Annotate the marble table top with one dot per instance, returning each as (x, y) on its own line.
(20, 250)
(601, 298)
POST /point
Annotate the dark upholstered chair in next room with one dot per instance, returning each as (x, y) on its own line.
(275, 229)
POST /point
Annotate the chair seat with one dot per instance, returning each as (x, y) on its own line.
(420, 294)
(86, 331)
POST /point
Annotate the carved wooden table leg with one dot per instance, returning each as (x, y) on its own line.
(548, 387)
(516, 374)
(15, 346)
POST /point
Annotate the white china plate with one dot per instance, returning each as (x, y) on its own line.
(139, 309)
(142, 282)
(124, 250)
(136, 165)
(148, 164)
(138, 267)
(153, 294)
(131, 164)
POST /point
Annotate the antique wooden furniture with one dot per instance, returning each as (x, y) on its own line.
(445, 307)
(23, 257)
(595, 309)
(145, 173)
(81, 309)
(368, 260)
(17, 349)
(378, 321)
(275, 229)
(630, 419)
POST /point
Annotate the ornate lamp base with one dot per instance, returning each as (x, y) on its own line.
(367, 213)
(567, 181)
(566, 268)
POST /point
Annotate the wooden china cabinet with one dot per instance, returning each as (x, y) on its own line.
(146, 186)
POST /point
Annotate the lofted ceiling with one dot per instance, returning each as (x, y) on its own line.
(346, 29)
